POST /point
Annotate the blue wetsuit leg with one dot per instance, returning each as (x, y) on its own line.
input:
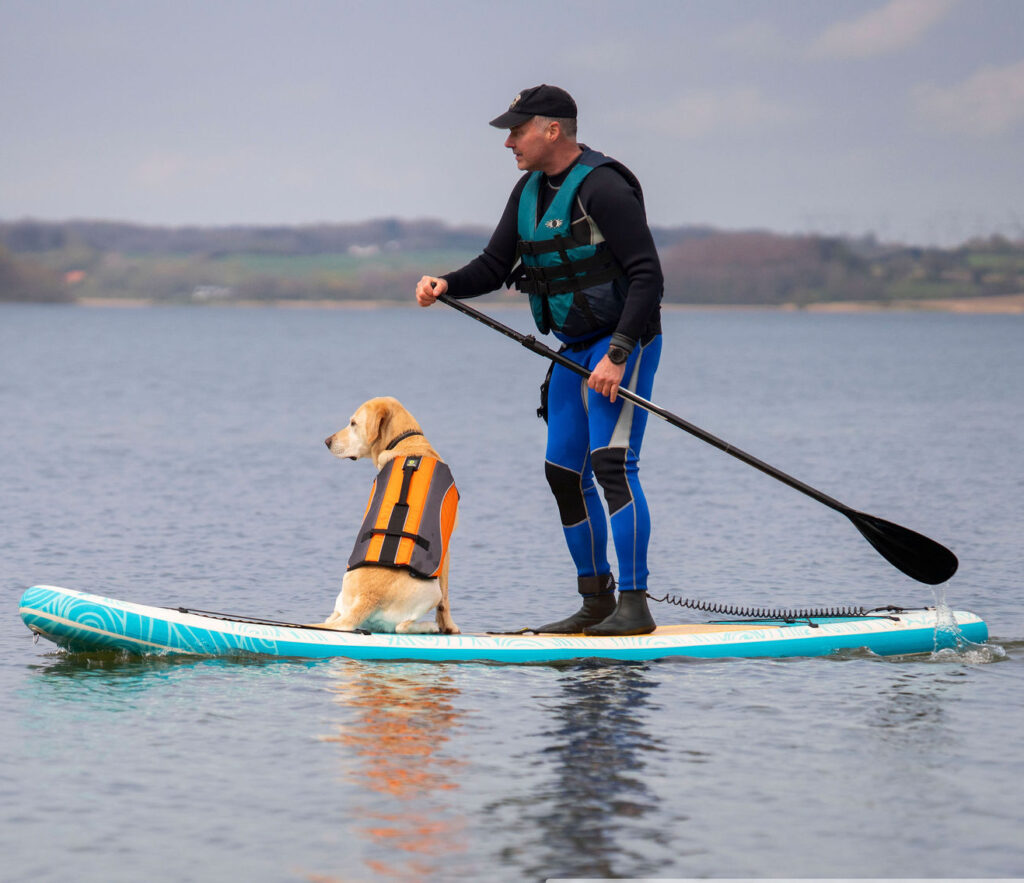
(589, 435)
(568, 470)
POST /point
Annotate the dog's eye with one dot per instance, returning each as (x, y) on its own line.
(352, 423)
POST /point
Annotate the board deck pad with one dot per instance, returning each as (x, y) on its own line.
(685, 628)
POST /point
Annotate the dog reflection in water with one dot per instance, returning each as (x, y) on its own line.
(395, 729)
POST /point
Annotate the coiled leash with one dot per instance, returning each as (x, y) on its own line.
(756, 614)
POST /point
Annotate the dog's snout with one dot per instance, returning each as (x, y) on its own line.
(327, 441)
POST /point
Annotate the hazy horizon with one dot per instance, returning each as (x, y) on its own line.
(904, 118)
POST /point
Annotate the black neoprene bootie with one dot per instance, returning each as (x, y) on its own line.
(598, 603)
(631, 617)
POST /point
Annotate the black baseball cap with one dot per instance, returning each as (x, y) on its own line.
(537, 101)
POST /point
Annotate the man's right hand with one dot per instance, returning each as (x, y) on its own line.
(428, 289)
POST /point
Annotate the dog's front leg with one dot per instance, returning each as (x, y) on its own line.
(445, 623)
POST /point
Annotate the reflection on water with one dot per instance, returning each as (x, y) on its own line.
(112, 679)
(393, 745)
(104, 681)
(594, 811)
(211, 770)
(913, 712)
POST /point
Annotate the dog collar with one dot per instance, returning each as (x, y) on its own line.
(407, 434)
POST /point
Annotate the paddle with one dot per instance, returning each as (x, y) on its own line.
(916, 555)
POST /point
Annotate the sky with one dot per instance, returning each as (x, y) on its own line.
(899, 118)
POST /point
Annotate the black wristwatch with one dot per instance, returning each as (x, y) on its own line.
(617, 355)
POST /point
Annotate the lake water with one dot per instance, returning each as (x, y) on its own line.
(175, 456)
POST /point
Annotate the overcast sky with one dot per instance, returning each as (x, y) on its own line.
(900, 117)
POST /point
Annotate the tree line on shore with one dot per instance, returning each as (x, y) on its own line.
(382, 259)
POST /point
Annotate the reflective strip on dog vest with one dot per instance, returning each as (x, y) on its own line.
(410, 517)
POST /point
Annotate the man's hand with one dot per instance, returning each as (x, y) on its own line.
(428, 289)
(606, 378)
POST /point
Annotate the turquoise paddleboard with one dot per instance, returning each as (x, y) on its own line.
(78, 621)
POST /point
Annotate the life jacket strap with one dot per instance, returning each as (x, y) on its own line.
(394, 533)
(535, 247)
(401, 534)
(547, 288)
(599, 261)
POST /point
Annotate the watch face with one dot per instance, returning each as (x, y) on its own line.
(617, 355)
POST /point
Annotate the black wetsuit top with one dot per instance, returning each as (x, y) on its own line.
(607, 198)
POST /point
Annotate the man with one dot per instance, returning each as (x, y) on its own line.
(574, 236)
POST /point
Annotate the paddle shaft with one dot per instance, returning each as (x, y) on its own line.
(531, 343)
(916, 555)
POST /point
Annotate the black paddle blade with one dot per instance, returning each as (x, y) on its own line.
(917, 556)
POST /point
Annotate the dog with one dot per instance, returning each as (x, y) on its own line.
(392, 596)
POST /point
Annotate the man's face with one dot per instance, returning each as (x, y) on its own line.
(530, 143)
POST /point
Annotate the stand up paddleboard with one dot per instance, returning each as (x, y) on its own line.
(78, 621)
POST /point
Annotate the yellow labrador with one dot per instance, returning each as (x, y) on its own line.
(396, 576)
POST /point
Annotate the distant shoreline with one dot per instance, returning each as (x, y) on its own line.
(1008, 304)
(1005, 304)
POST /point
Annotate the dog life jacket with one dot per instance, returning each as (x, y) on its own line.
(576, 286)
(410, 517)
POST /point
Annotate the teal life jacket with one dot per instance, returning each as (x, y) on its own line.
(577, 289)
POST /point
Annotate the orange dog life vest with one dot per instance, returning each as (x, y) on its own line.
(410, 517)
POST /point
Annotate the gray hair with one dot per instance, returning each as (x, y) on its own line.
(566, 124)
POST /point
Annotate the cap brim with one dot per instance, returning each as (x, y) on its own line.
(511, 118)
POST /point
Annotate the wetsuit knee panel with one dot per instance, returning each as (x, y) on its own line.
(610, 471)
(567, 486)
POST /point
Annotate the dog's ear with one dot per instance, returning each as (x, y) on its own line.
(377, 421)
